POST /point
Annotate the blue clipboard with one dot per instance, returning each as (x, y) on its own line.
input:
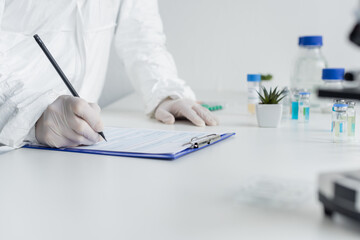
(166, 156)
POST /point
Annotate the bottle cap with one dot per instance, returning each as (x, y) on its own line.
(254, 77)
(310, 41)
(340, 105)
(333, 74)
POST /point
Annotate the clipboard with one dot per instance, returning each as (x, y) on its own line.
(193, 144)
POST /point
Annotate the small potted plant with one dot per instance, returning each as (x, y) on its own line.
(269, 110)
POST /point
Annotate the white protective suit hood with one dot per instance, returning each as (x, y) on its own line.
(79, 35)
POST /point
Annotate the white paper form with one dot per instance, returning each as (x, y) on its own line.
(144, 141)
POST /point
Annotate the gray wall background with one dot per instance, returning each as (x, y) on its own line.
(216, 42)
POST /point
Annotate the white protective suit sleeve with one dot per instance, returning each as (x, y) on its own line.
(20, 108)
(22, 99)
(140, 42)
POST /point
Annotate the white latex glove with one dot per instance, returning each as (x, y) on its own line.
(69, 122)
(170, 109)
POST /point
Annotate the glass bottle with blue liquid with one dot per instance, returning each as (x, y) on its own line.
(339, 122)
(304, 107)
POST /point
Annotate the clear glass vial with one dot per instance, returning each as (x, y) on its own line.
(286, 102)
(304, 106)
(295, 104)
(351, 118)
(253, 89)
(336, 101)
(339, 121)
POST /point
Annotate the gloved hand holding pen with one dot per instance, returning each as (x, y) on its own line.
(68, 122)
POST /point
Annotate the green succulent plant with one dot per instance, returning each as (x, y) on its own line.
(273, 96)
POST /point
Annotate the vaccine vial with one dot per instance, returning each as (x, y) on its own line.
(351, 115)
(295, 104)
(304, 106)
(336, 101)
(253, 89)
(339, 119)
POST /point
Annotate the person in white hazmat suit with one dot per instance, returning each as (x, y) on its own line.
(35, 104)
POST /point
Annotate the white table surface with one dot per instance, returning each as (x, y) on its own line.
(58, 195)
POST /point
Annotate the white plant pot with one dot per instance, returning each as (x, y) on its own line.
(269, 115)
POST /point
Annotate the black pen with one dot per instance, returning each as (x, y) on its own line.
(59, 71)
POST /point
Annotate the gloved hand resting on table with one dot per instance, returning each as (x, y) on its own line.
(68, 122)
(170, 109)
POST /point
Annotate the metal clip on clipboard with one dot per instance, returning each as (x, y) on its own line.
(198, 142)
